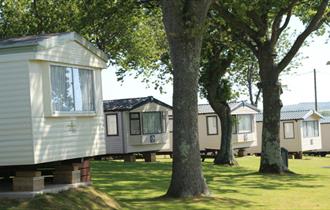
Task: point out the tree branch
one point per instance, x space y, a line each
312 26
236 23
257 97
259 21
276 28
247 42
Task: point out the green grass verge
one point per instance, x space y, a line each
139 185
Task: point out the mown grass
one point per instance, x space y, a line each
86 198
139 185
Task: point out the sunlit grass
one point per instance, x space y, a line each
140 185
86 198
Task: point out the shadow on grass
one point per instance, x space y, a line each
80 199
239 177
195 203
140 185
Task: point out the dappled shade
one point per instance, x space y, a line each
140 185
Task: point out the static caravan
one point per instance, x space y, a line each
325 133
299 132
136 125
50 103
244 129
244 126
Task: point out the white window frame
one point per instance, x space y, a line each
285 134
315 122
161 121
107 124
238 131
49 110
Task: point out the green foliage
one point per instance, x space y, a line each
26 17
131 34
218 51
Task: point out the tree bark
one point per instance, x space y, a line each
183 22
271 160
225 155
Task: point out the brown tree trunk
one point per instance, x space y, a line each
225 155
271 160
183 22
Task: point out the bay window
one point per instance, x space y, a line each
152 122
311 128
72 89
242 123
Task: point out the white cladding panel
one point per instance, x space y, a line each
73 53
16 145
325 136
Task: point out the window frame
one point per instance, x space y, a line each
293 132
130 123
216 124
170 118
106 122
315 122
234 124
160 121
237 124
54 113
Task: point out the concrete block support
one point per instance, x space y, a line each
149 157
28 181
129 158
241 153
67 174
298 155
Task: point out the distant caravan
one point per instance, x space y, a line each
136 126
300 132
244 133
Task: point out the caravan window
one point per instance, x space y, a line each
112 124
72 89
134 122
288 128
212 125
152 122
170 123
311 128
242 123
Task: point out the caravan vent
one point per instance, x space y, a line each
152 139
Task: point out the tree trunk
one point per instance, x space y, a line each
271 160
183 22
225 155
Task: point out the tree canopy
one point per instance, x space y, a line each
259 25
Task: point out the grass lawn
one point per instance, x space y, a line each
86 198
139 185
